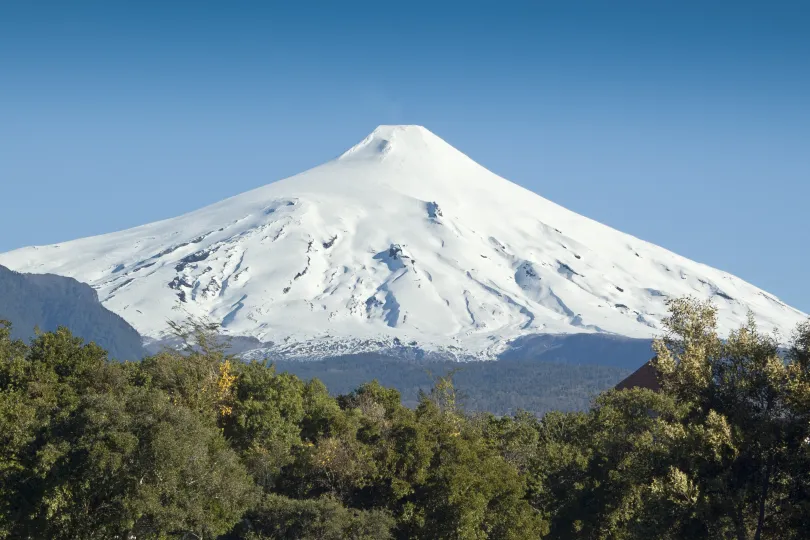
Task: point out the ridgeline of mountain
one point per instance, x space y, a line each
48 301
401 243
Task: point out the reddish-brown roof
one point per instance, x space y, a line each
643 377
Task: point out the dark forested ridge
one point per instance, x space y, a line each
535 373
191 444
47 301
500 386
602 349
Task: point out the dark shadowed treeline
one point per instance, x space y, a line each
501 387
193 444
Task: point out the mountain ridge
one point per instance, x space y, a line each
402 240
47 301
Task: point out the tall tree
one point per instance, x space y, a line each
746 419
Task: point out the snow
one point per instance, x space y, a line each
402 239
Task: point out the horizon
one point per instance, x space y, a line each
119 116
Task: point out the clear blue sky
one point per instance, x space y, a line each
684 123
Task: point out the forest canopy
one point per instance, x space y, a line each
193 443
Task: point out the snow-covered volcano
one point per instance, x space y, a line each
401 240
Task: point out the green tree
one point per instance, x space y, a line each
745 422
265 421
92 453
191 443
325 518
470 491
721 452
591 473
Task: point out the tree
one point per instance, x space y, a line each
590 474
721 452
746 420
191 443
264 424
92 453
470 491
325 518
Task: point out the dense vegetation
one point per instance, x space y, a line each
191 444
47 301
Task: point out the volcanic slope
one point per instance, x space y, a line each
401 241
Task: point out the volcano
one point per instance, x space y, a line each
402 241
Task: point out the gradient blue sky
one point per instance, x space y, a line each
684 123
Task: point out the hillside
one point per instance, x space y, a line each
47 301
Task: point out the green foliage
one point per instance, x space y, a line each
89 451
192 443
745 428
278 517
265 421
721 452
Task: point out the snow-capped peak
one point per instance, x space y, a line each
402 141
401 240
